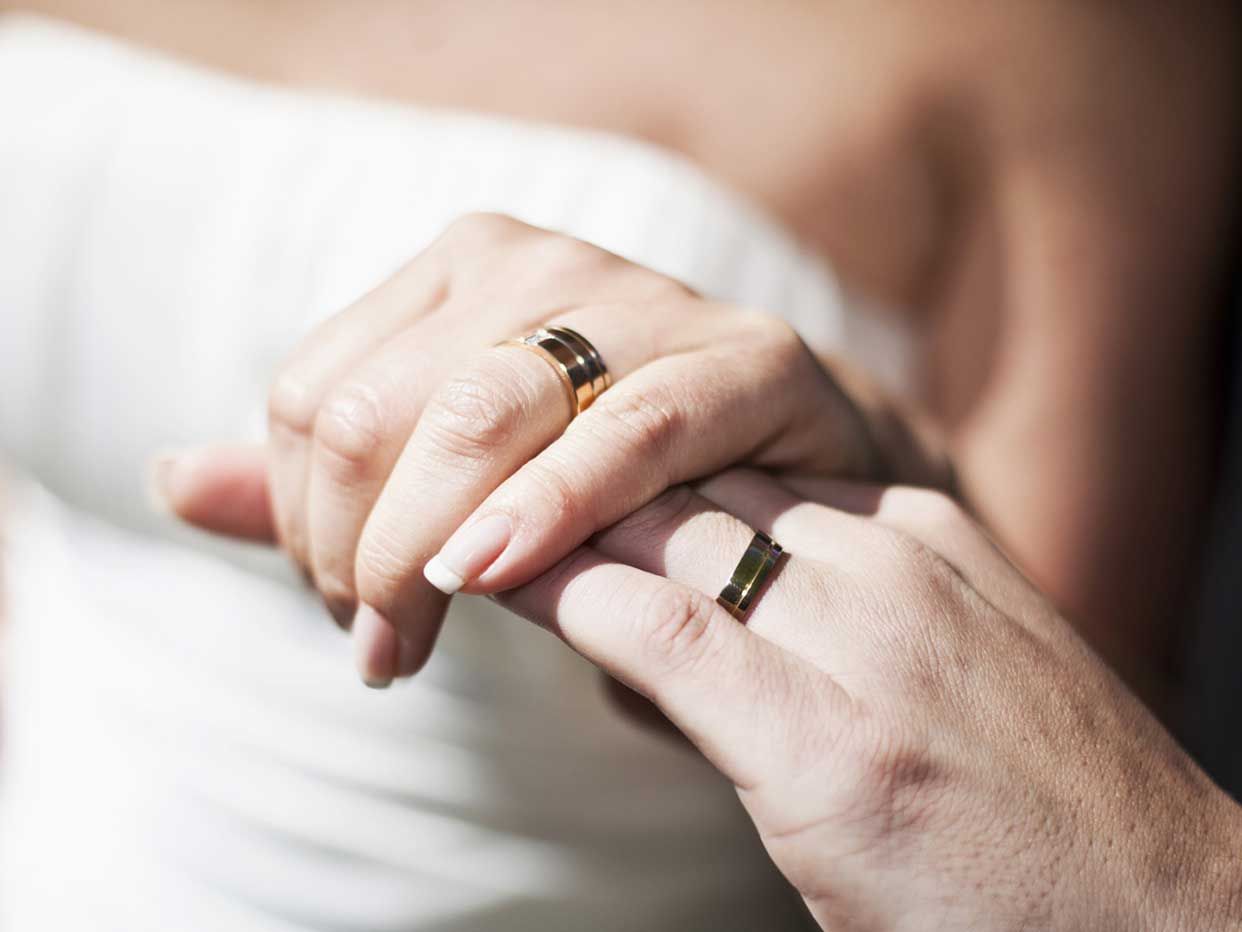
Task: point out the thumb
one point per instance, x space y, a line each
222 489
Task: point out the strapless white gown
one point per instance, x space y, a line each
185 743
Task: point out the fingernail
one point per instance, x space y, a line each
472 549
341 610
410 658
375 648
159 482
164 471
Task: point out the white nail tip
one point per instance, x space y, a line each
442 577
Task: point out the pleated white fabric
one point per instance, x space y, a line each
186 745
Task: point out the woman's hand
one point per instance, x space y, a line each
400 431
921 741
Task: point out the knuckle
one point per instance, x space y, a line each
657 288
911 559
780 347
548 494
292 402
471 414
924 617
678 628
935 510
558 253
873 561
381 568
480 229
775 334
350 426
644 423
920 579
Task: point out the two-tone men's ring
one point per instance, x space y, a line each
749 576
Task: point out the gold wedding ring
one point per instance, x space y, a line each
752 570
578 364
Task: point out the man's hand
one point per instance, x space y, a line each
921 741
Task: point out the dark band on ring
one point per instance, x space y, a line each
748 577
588 354
578 364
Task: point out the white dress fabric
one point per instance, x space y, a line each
185 743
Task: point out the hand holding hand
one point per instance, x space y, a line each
401 433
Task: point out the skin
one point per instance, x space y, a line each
1007 174
1065 344
403 403
921 741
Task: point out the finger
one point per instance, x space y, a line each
222 489
677 418
691 540
506 276
322 359
417 495
360 430
483 423
749 706
367 419
803 511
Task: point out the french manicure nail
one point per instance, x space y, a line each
472 549
375 647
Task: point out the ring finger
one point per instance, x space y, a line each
691 540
